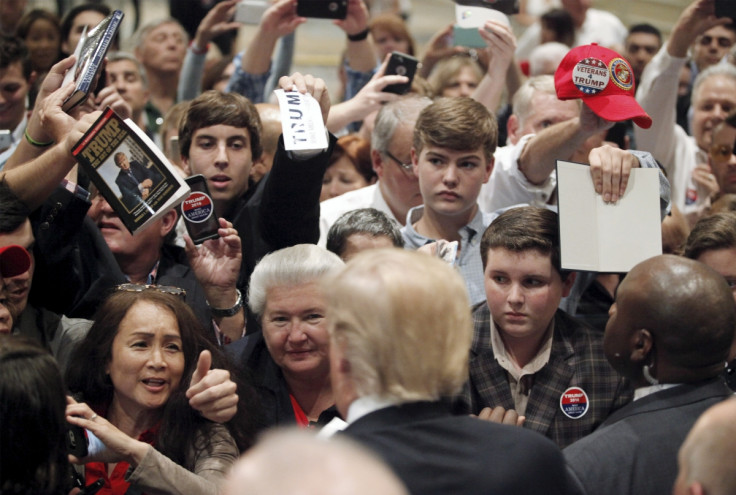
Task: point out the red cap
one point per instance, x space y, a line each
603 80
14 260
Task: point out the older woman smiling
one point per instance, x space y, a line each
289 358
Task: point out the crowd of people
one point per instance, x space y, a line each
398 294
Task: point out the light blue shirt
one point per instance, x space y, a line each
468 262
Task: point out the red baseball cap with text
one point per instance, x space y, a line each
603 79
14 260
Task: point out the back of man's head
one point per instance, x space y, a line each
706 457
216 108
402 322
368 222
291 462
688 308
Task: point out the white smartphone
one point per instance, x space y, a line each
250 11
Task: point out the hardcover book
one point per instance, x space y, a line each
129 170
90 56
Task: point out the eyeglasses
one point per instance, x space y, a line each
406 167
166 289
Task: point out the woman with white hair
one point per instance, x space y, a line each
289 358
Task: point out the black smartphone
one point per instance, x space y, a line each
322 9
401 64
726 8
76 441
508 7
198 211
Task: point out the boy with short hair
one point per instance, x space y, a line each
452 156
528 358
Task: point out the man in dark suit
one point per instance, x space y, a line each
670 332
399 337
134 180
530 362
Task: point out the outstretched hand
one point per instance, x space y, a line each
216 22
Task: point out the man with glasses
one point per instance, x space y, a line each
684 157
397 189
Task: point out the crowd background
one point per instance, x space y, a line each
319 44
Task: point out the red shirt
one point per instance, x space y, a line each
114 484
299 414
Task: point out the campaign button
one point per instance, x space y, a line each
197 207
574 402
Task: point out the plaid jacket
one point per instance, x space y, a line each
576 360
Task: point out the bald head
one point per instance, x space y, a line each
689 307
293 462
686 312
706 457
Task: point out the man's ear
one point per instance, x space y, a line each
377 161
643 346
568 283
489 169
512 129
168 221
414 160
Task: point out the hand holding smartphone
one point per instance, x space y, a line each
198 211
401 64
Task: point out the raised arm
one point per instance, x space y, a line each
370 98
278 20
35 180
501 45
359 52
289 211
252 68
216 22
559 141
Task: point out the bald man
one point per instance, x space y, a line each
293 462
706 457
669 332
